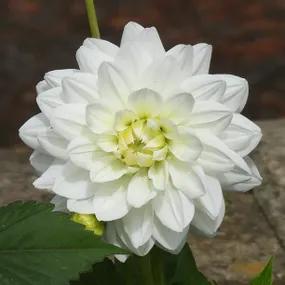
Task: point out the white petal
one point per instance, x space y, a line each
53 144
112 86
73 182
49 100
59 204
205 87
185 147
209 116
80 88
158 173
40 161
173 209
69 120
138 225
110 200
168 239
216 156
239 180
236 93
202 58
212 201
242 135
190 180
42 86
54 78
84 206
145 102
107 142
107 168
47 179
32 128
93 53
184 57
99 119
131 32
183 102
140 189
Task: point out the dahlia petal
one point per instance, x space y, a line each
110 200
59 204
99 119
145 102
138 225
242 135
107 142
47 179
49 100
73 182
170 240
184 57
54 78
41 161
239 180
190 180
42 86
101 45
32 128
173 209
131 32
185 147
84 206
112 87
107 168
205 87
80 88
183 102
158 173
209 116
236 93
201 58
69 120
140 190
53 144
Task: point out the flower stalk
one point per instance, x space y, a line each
92 18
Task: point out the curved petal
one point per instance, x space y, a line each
59 204
69 120
32 128
236 93
210 116
49 100
80 88
140 189
110 200
185 147
138 225
53 144
205 87
190 180
242 135
202 58
240 180
47 179
166 238
84 206
54 78
173 209
101 45
41 161
73 182
158 173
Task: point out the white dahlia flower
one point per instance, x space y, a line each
143 138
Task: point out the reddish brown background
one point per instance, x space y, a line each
37 36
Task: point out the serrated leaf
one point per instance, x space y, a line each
38 246
265 277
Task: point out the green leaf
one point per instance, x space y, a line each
157 268
38 246
265 277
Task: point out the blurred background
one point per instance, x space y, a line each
37 36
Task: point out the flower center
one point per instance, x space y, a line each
142 143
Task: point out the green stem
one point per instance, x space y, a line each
92 18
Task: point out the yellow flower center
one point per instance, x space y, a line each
142 142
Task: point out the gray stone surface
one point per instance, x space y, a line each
252 231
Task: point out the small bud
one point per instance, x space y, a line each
90 222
